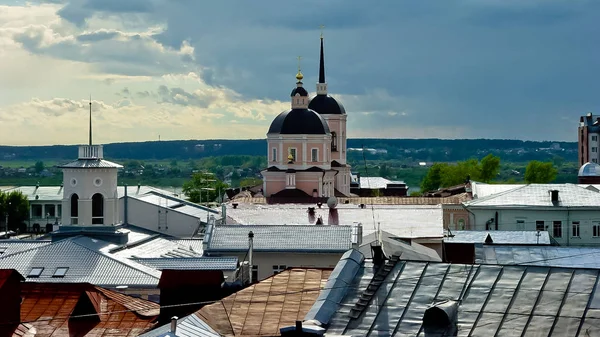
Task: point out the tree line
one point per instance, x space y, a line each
14 207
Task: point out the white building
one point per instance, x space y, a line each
570 213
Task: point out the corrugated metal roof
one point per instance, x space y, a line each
193 244
55 193
480 300
189 326
538 195
482 190
91 163
8 247
282 238
376 182
414 221
500 237
393 246
155 248
177 204
547 256
191 263
85 265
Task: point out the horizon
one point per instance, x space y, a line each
453 70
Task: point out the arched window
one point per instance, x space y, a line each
74 209
333 141
97 209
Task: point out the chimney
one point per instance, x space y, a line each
554 194
125 208
250 253
174 324
235 205
224 213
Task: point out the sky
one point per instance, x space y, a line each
188 69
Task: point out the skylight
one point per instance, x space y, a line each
2 250
35 272
60 272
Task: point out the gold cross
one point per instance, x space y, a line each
322 27
299 58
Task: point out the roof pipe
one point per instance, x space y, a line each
174 324
125 208
250 253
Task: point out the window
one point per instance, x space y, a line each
520 225
333 141
594 149
60 272
594 138
557 229
74 209
596 229
539 225
575 226
254 273
97 209
35 272
36 211
314 155
274 156
292 152
279 268
50 210
58 210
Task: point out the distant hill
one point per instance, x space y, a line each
405 149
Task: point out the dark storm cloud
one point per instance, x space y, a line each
495 68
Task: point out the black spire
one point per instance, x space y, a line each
322 64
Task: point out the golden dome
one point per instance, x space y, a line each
299 76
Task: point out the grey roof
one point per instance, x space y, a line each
406 221
547 256
91 163
481 190
11 246
177 205
589 170
394 246
482 300
193 244
299 238
376 182
191 263
188 326
500 237
85 265
55 193
155 248
538 195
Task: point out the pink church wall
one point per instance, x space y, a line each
334 126
308 186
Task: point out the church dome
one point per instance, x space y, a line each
299 122
326 105
300 91
589 170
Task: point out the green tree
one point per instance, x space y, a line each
538 172
16 205
203 187
39 166
490 167
433 179
250 182
384 171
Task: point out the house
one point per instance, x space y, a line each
76 309
567 211
278 247
376 186
392 245
412 298
261 309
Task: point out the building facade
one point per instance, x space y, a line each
589 139
307 145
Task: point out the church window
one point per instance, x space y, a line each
314 155
333 141
74 209
274 154
97 209
292 152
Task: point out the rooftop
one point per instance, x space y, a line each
300 238
416 221
500 237
55 193
394 246
546 256
374 182
538 195
191 263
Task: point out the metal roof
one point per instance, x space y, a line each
188 326
55 193
299 238
11 246
482 190
85 265
413 221
375 182
393 245
538 195
547 256
190 263
477 300
176 204
91 163
155 248
500 237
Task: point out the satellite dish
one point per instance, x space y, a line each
332 202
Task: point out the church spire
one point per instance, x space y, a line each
322 85
90 120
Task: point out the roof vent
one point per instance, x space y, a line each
235 205
441 318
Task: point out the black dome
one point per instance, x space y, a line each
299 90
299 121
326 105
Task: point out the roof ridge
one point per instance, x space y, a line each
495 195
32 248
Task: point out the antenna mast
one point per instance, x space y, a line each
90 141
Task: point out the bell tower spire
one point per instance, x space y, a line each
90 141
322 85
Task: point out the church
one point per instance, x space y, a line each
307 145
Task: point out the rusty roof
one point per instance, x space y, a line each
265 307
391 200
48 309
